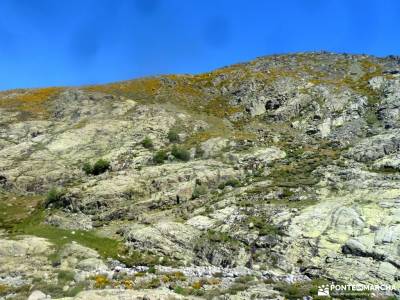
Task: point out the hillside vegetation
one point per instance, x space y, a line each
261 180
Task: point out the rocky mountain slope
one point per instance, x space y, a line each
261 180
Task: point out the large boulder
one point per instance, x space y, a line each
164 238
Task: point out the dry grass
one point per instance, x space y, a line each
15 208
135 88
32 103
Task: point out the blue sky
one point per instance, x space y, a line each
74 42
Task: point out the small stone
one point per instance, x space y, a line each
329 260
37 295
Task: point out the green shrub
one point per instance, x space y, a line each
98 168
187 291
236 288
152 270
181 290
73 291
244 279
65 276
151 284
180 153
218 236
54 197
173 135
87 168
160 156
233 182
264 227
209 210
147 143
300 290
199 152
199 190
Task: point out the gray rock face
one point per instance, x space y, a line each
166 238
70 221
213 146
92 264
377 147
24 259
388 110
347 220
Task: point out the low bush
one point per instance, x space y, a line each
65 276
87 168
264 227
197 285
101 281
218 237
180 153
160 156
302 290
236 288
199 190
98 168
188 291
173 135
147 143
175 276
244 279
151 284
54 197
233 182
199 152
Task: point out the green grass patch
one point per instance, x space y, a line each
59 237
15 208
106 247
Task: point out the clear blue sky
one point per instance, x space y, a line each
74 42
